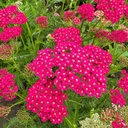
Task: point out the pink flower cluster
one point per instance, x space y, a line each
68 15
5 51
86 11
69 34
82 69
47 102
113 9
11 16
8 88
114 117
123 82
71 17
119 36
42 21
4 110
117 98
102 34
119 123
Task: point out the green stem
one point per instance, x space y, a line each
17 103
69 123
6 118
23 41
19 96
16 66
81 25
75 115
75 102
30 34
62 8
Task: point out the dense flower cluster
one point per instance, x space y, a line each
69 34
11 16
113 9
47 102
4 110
42 21
76 20
118 123
102 34
98 14
10 33
117 98
119 36
5 51
69 16
93 122
114 117
81 69
123 82
8 88
86 11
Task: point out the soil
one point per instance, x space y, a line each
11 114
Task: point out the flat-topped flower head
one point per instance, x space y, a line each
113 9
86 11
42 21
81 69
5 51
123 81
8 88
11 20
47 101
70 34
117 98
119 36
68 15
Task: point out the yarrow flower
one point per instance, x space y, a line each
19 18
42 21
8 88
70 34
107 114
10 33
118 123
117 98
119 36
123 82
82 69
86 11
47 101
5 51
11 16
114 118
113 9
76 20
98 14
4 110
102 34
70 17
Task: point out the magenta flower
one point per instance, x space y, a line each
81 69
8 88
69 34
117 98
47 102
86 11
113 9
42 21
